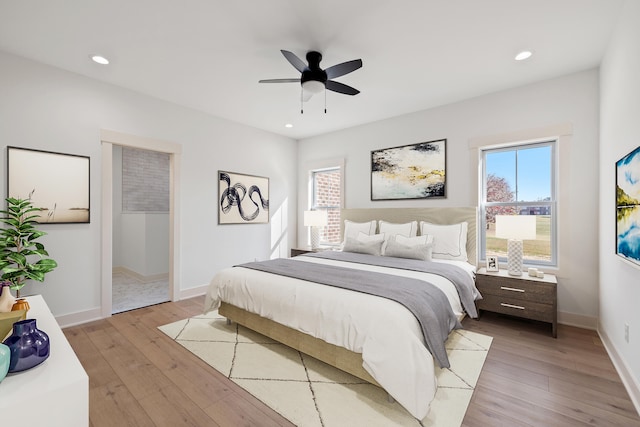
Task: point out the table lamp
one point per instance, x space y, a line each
315 219
515 228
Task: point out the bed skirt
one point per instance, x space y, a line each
330 354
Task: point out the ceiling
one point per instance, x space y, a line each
210 54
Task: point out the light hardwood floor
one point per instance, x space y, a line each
139 377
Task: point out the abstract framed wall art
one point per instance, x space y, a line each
628 207
242 199
57 183
415 171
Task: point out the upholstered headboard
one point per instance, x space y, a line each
433 215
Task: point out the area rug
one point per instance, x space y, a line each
311 393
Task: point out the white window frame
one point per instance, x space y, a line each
553 205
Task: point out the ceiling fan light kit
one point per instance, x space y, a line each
313 86
314 79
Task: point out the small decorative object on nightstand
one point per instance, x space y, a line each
521 296
492 263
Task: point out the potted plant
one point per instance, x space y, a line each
21 257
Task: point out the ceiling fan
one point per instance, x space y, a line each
314 79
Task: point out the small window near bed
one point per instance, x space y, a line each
520 180
327 196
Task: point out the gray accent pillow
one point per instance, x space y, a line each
363 244
413 248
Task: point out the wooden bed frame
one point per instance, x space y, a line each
333 355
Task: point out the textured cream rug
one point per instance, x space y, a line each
311 393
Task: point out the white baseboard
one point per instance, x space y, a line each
193 292
73 319
629 381
578 320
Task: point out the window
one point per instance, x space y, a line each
326 195
520 180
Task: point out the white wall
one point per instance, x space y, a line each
569 102
156 239
620 134
45 108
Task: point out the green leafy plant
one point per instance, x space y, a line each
18 246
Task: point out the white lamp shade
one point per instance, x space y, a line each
315 218
313 86
516 227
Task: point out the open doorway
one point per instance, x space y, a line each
140 275
111 143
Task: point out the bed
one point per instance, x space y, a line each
371 337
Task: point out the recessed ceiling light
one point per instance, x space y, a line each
288 125
99 59
525 54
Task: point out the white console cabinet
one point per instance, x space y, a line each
54 393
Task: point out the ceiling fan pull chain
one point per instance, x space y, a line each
325 101
301 100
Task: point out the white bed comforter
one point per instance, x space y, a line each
386 334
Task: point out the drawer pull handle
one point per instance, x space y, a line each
519 307
505 288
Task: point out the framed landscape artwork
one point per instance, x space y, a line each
242 199
628 207
415 171
57 183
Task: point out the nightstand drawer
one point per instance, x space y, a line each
517 307
522 289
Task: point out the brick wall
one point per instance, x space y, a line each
327 196
145 181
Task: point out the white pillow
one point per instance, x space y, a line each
409 229
409 247
364 244
351 229
449 241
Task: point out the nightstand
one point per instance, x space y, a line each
521 296
307 249
300 251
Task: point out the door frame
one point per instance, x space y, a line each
108 139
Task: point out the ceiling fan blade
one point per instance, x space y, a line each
342 69
279 81
294 60
341 88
